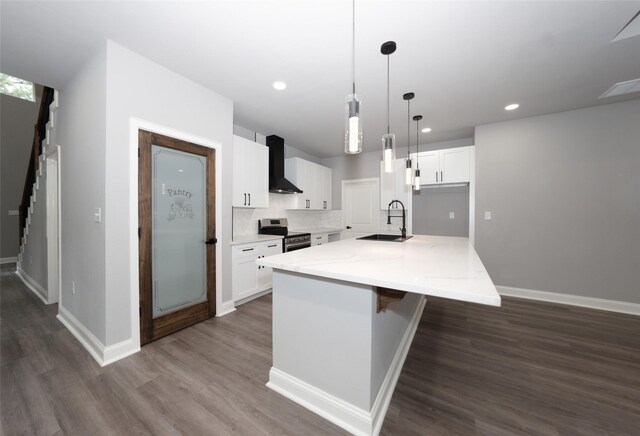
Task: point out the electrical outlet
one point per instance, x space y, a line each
487 215
452 215
73 288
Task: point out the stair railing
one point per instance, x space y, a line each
39 134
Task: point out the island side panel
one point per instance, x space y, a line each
392 333
322 334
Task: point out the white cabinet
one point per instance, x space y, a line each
451 165
325 188
314 180
250 173
319 239
248 278
393 187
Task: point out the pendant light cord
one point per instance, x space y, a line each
417 135
353 47
388 127
409 129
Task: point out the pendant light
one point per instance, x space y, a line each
408 172
353 119
389 139
416 179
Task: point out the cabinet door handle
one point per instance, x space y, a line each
441 177
249 194
436 176
245 199
348 227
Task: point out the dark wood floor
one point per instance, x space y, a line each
525 368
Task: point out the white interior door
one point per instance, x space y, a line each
360 206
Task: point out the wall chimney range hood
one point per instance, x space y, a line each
277 183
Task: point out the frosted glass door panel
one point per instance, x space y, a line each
179 229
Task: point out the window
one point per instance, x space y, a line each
10 85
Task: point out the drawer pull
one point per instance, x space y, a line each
271 246
247 249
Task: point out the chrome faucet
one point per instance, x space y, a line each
403 229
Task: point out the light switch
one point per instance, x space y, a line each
97 215
487 215
452 215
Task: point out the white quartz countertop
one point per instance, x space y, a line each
320 230
439 266
248 239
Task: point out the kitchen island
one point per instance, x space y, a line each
344 316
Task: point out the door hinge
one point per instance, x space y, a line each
140 307
139 231
138 151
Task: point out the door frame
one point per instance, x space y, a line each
53 220
154 328
135 125
376 212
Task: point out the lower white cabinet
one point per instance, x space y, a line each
319 239
248 278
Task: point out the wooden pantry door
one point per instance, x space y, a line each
176 215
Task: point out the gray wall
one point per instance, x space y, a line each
431 207
17 118
564 190
289 151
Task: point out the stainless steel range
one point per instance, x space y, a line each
278 226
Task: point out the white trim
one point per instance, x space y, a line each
82 334
572 300
380 406
103 355
345 415
30 283
4 260
53 223
135 125
227 308
353 419
472 194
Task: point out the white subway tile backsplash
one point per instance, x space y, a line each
245 221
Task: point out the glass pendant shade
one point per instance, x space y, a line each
408 173
416 181
389 155
353 125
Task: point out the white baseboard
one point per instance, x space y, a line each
253 297
103 355
345 415
381 405
353 419
30 283
4 260
226 308
572 300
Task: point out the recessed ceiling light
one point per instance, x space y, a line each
426 130
511 107
279 85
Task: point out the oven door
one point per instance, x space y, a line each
298 246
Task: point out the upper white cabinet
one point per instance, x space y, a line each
250 173
393 187
451 165
314 180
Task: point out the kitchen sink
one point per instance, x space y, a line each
380 237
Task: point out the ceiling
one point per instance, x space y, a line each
464 60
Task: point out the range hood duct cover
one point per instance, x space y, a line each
277 183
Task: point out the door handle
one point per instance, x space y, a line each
249 194
348 227
441 177
245 199
211 241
